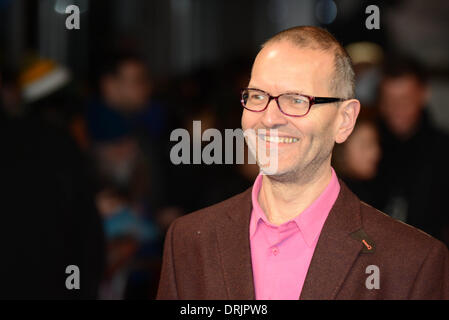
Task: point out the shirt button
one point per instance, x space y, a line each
275 251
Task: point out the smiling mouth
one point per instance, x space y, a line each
276 139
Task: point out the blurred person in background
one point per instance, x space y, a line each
356 160
126 129
126 88
124 104
125 231
47 92
131 233
413 170
49 217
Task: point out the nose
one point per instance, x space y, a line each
272 116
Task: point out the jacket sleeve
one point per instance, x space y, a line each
432 281
167 284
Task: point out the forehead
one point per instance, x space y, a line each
281 67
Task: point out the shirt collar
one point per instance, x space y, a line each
310 221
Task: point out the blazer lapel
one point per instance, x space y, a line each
336 250
234 248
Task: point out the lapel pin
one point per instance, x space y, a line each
368 243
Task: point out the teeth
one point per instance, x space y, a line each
279 139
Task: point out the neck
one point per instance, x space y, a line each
282 202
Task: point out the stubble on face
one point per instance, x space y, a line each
281 68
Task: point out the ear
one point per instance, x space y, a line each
347 116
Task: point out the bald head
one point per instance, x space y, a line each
341 82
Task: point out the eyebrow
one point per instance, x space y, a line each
284 92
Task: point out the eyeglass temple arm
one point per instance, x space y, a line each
327 100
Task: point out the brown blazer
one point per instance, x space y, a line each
207 255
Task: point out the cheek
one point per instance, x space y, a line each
249 119
320 134
314 144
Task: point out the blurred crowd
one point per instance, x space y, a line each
87 176
86 171
396 159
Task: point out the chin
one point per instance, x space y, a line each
281 173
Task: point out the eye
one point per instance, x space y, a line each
298 100
257 96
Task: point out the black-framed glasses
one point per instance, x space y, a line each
290 104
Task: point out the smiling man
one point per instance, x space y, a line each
299 232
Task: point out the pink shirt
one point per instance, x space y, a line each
281 255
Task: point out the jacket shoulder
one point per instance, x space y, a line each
205 219
394 234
